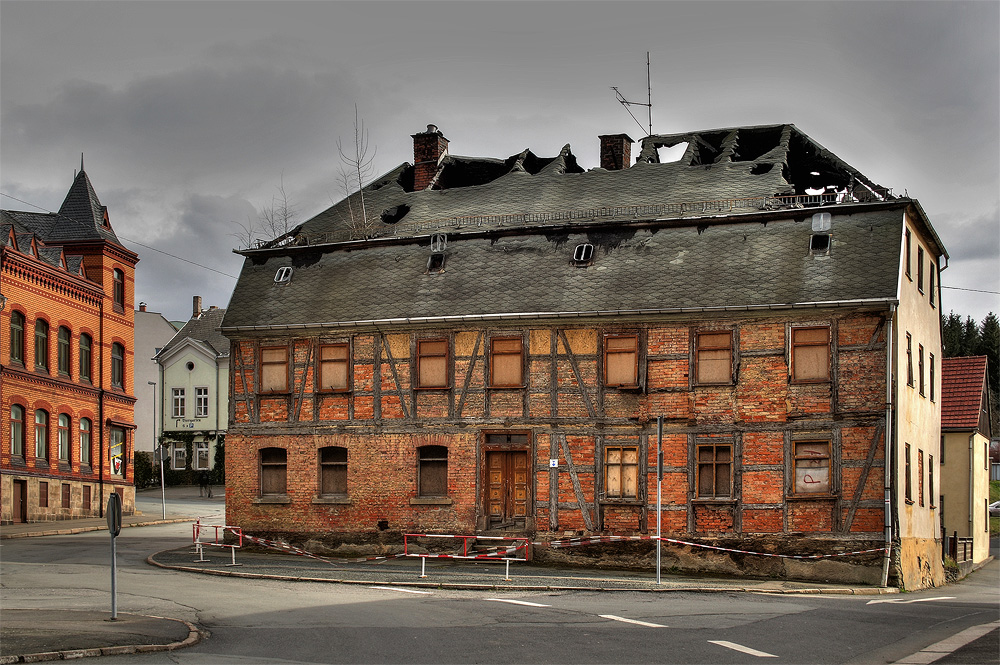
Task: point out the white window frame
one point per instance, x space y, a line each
201 402
178 452
199 448
177 401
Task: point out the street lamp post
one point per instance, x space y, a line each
158 451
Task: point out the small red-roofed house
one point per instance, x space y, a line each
965 459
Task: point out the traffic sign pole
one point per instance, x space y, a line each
114 515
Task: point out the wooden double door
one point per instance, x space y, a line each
507 490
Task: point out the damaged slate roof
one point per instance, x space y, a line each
727 226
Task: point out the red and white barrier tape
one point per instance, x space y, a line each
573 542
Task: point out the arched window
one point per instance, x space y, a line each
42 434
17 430
273 471
63 429
41 345
17 337
119 289
64 337
85 356
85 435
117 366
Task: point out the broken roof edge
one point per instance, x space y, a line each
756 216
874 303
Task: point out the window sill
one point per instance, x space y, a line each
713 385
627 388
708 500
65 467
521 387
334 500
440 388
338 391
430 501
274 498
621 502
812 497
17 460
809 382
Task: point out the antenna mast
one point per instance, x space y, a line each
649 101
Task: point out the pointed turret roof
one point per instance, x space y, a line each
81 214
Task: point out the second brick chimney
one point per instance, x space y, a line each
428 149
616 151
196 307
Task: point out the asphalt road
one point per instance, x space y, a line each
277 621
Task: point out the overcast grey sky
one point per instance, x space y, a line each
191 114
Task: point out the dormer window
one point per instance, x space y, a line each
439 242
283 276
583 254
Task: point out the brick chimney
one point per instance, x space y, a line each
142 307
196 307
428 149
616 151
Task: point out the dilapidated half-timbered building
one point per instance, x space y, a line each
483 346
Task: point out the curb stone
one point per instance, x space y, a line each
194 636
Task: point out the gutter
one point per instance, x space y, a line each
891 303
889 446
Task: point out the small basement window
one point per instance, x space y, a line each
819 243
283 276
583 254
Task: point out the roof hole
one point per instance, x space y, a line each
760 169
672 153
394 214
435 263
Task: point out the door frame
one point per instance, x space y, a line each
485 446
19 501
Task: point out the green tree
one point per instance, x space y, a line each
952 329
970 337
989 346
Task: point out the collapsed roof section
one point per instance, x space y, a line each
805 165
721 172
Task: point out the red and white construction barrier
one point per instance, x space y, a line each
574 542
497 553
199 530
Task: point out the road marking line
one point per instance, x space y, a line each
740 647
900 601
635 621
517 602
396 588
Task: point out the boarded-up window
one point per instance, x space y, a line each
715 464
432 363
43 494
334 362
273 470
86 497
506 366
333 470
65 495
621 362
433 471
621 472
810 354
274 369
714 358
812 467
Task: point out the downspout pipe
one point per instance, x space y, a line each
889 446
100 403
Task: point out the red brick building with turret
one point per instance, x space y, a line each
66 353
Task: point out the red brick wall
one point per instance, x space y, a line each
564 400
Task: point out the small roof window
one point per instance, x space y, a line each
283 276
583 254
435 263
439 242
819 243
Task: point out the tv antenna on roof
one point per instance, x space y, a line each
649 101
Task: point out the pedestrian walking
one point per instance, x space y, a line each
204 489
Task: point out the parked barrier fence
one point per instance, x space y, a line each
216 530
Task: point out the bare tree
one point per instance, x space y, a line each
273 221
354 175
279 218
